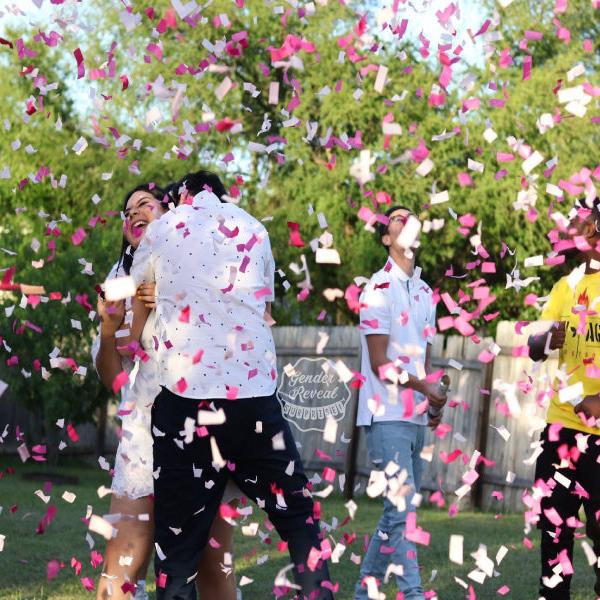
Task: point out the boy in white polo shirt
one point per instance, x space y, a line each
397 325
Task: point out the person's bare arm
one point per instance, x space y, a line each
377 344
126 344
537 343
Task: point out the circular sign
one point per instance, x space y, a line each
309 394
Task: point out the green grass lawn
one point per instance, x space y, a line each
24 559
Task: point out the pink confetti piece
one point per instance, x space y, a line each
161 580
78 237
73 435
184 315
258 294
46 519
295 237
80 64
314 556
182 385
229 233
52 570
527 64
119 381
560 6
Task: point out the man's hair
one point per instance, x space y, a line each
171 193
594 207
203 180
382 228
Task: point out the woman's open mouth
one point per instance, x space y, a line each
138 226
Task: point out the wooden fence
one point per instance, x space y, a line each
315 365
477 416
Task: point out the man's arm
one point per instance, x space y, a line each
377 345
538 344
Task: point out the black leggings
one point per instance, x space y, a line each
557 540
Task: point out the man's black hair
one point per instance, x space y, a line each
382 228
126 257
171 193
201 180
592 205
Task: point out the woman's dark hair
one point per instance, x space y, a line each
126 257
200 180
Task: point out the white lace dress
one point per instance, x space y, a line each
133 463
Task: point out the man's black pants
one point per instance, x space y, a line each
558 540
187 499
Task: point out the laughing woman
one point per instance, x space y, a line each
128 554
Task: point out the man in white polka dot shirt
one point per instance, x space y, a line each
217 415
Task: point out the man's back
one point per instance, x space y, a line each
214 273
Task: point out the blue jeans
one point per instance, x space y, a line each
402 443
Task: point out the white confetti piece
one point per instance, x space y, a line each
274 92
532 162
409 232
330 432
42 496
327 256
184 9
68 497
391 128
534 261
576 71
572 394
80 145
570 94
439 197
102 527
455 553
223 88
380 80
119 288
211 417
278 442
562 479
425 167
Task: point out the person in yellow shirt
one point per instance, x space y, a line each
567 474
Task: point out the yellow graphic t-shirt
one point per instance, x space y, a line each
581 350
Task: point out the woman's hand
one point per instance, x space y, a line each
146 293
111 316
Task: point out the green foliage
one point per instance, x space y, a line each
301 175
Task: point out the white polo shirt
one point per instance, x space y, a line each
214 273
402 307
